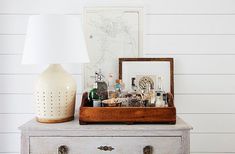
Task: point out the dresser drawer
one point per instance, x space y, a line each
103 145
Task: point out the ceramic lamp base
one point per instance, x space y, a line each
42 120
55 95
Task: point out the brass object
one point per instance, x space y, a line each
105 148
148 150
63 149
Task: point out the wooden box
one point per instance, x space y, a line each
128 115
131 115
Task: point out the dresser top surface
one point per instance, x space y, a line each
74 125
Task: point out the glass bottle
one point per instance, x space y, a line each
165 102
160 88
159 101
94 99
102 87
133 85
118 87
152 96
149 95
110 85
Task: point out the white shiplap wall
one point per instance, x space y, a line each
199 34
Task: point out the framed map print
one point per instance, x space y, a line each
111 33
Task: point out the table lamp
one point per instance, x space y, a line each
54 40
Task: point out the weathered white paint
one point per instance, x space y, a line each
173 139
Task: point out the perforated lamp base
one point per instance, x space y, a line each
55 95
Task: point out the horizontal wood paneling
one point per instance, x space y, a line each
8 153
11 44
13 24
201 64
204 84
184 84
9 125
205 103
42 6
24 83
62 6
152 6
154 24
12 103
11 64
190 6
10 143
184 64
210 123
189 44
213 143
186 24
154 44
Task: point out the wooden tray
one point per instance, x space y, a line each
132 115
127 115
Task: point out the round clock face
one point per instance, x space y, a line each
145 81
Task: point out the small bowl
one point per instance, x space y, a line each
111 104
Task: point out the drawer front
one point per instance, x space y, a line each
103 145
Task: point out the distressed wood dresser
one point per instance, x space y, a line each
72 138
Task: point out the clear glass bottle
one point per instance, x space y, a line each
152 97
149 95
159 101
160 88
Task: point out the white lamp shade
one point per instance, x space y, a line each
54 39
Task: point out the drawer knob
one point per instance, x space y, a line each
148 150
63 149
105 148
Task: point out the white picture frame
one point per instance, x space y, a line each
111 33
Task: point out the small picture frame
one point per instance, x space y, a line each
147 70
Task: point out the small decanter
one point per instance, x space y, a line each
102 87
159 101
160 88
